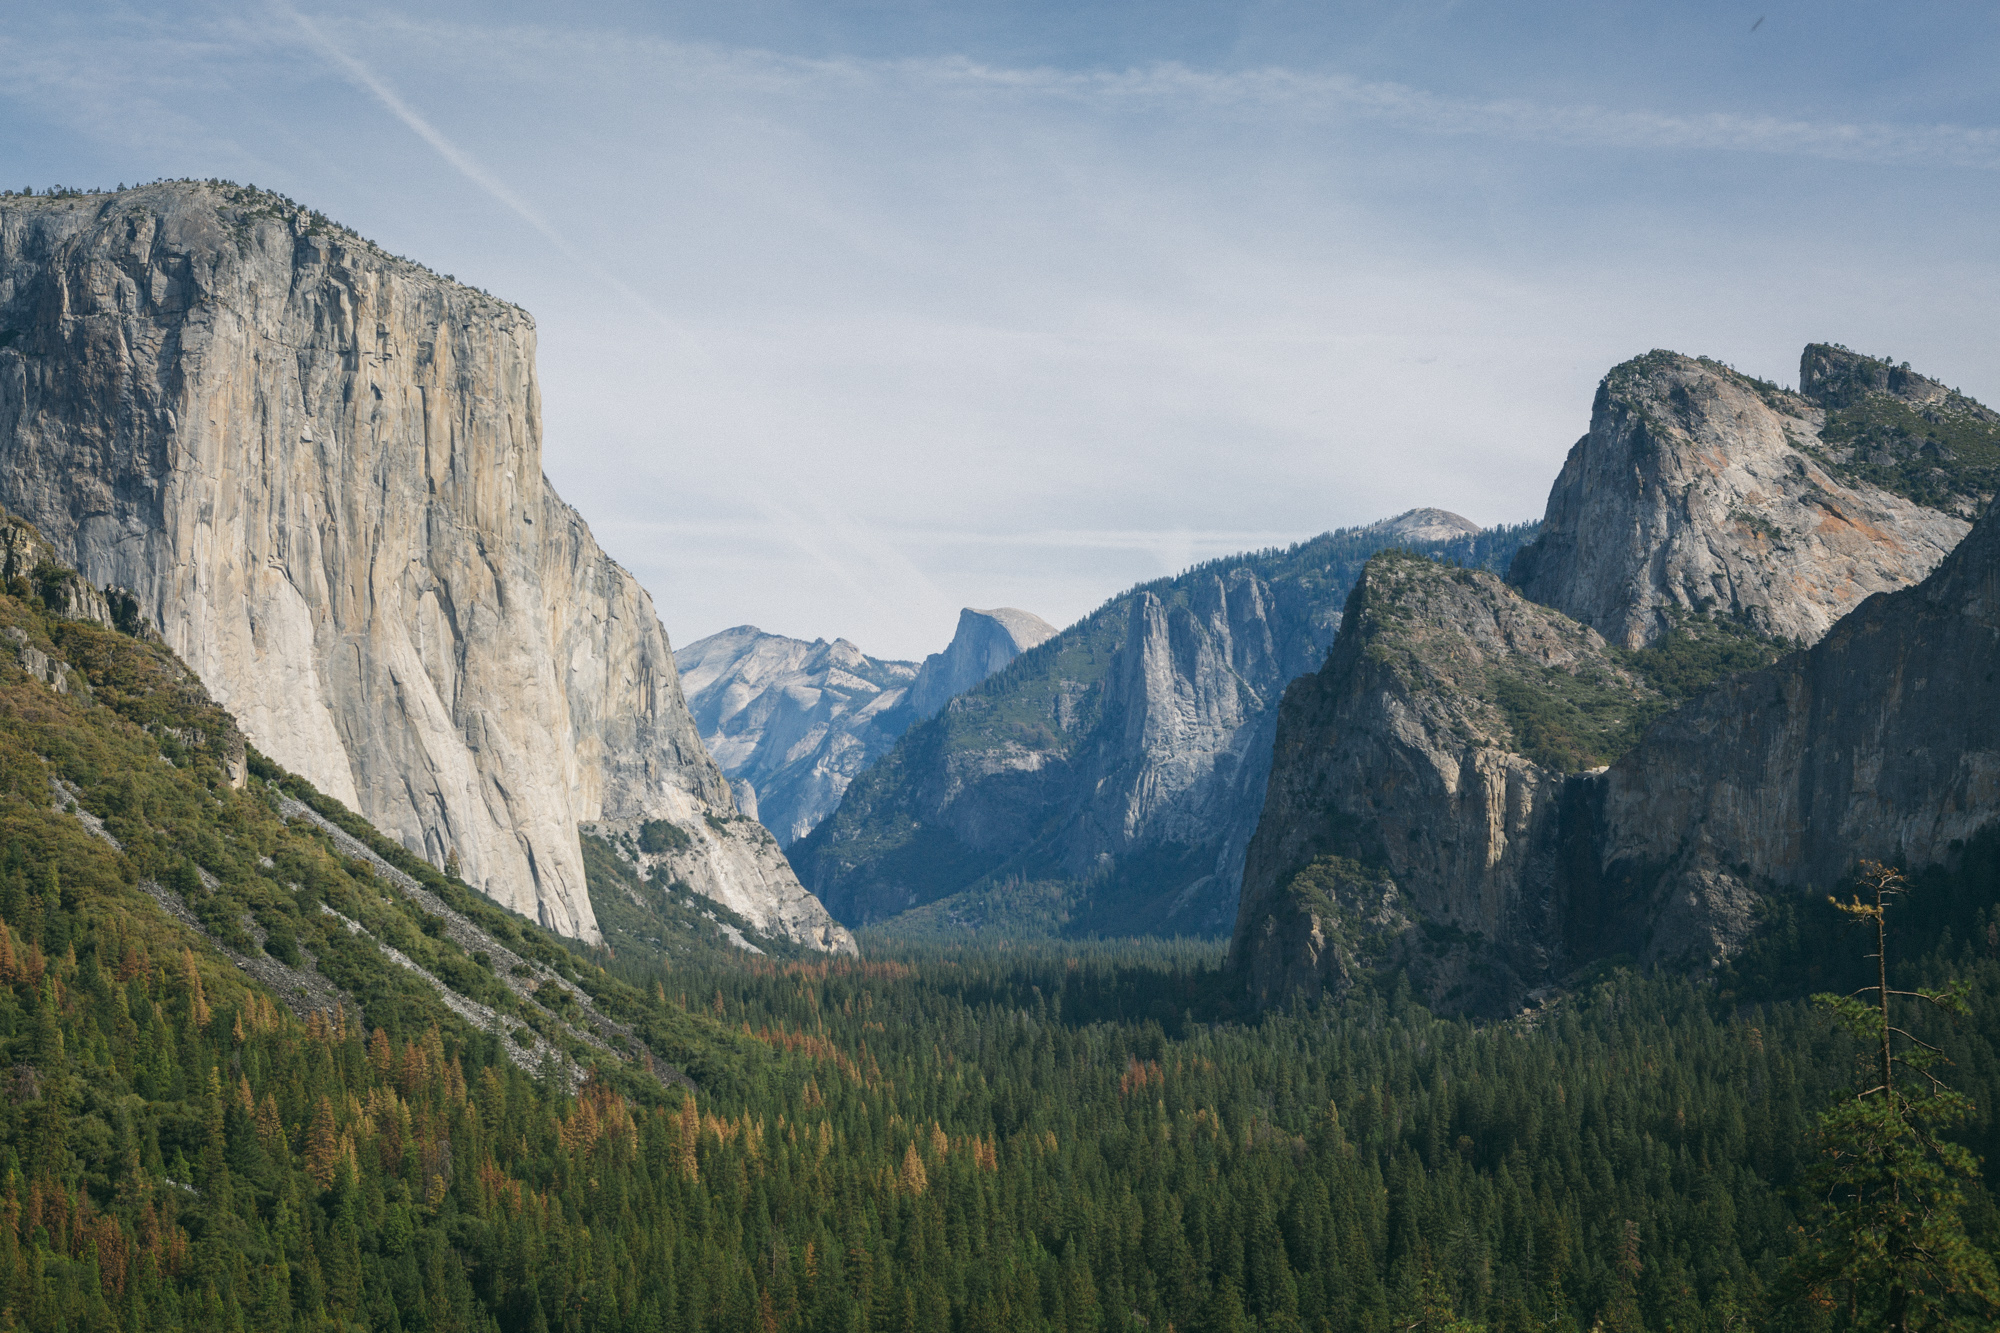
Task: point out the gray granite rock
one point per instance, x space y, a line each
317 470
1405 825
1114 773
1881 741
792 722
1399 765
985 642
1700 488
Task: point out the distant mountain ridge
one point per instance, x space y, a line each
1109 779
790 723
1440 806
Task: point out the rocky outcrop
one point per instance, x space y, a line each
735 862
316 469
1118 768
1425 525
1889 427
985 642
1400 794
1698 488
1480 791
792 722
1882 741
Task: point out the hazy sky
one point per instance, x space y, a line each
852 314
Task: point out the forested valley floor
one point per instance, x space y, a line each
1069 1136
1004 1140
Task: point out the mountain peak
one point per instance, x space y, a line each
1427 525
985 642
1835 377
1695 482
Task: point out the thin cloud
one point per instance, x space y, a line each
1286 92
465 164
1296 94
804 535
1317 96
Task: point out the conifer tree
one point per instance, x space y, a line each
1886 1247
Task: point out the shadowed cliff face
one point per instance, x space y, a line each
1882 741
1400 798
1698 488
1108 780
318 470
1438 798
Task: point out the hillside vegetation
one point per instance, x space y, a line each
989 818
1089 1138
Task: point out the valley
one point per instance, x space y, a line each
1415 926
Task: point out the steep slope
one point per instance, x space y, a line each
1881 741
984 642
792 722
1698 488
789 722
127 795
1438 805
1402 794
317 470
1108 780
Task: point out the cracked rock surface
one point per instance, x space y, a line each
317 470
1699 488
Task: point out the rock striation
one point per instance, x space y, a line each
1699 488
1881 741
985 642
1400 796
316 469
792 722
1483 792
1108 780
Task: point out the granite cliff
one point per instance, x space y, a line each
316 469
1881 741
1699 488
1405 822
985 642
791 723
1108 780
1482 791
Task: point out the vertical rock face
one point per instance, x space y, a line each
317 469
1439 801
792 722
1109 779
985 642
1400 797
1881 741
1700 488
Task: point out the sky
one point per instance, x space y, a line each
852 314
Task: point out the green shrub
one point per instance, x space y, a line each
658 837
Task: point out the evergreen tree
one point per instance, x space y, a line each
1887 1246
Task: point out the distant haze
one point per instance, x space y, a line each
851 316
